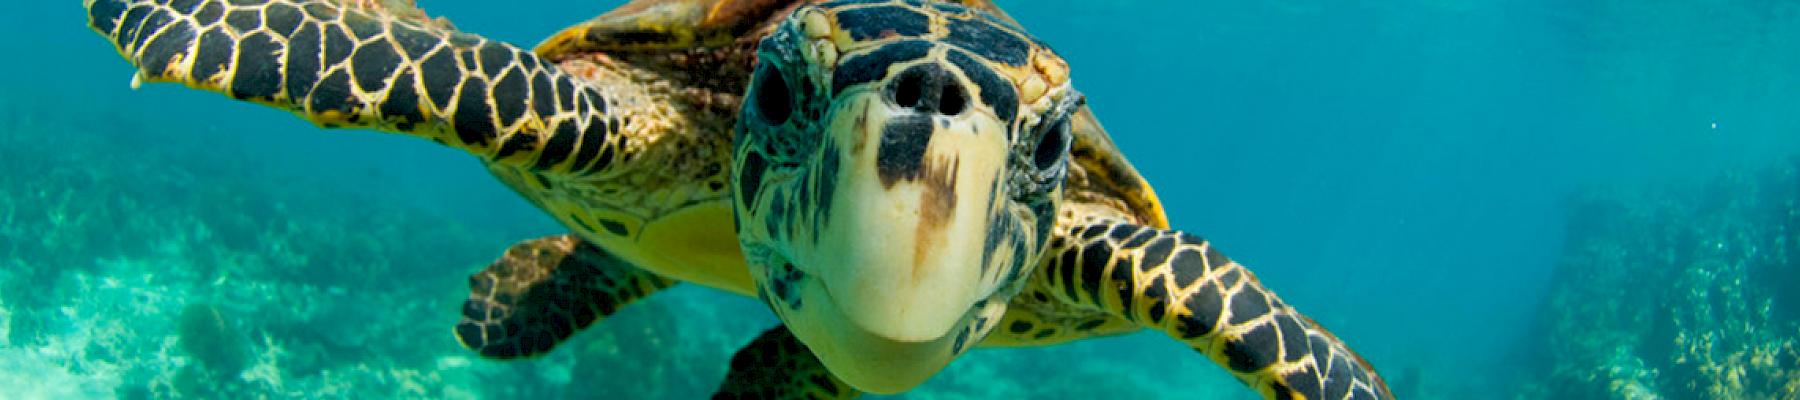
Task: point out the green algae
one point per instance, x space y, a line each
205 335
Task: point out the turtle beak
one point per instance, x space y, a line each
901 251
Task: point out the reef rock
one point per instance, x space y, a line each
1679 293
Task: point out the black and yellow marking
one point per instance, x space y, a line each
339 65
544 290
871 23
1179 284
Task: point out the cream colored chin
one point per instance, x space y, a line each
893 284
869 362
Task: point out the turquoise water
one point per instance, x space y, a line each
1476 195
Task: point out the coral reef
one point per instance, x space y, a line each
286 295
1679 293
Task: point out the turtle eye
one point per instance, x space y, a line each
1052 145
773 101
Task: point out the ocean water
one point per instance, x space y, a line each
1487 199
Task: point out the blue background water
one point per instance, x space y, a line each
1397 170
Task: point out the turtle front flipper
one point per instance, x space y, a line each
1179 284
777 366
342 63
544 290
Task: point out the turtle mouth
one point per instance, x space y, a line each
865 325
885 292
868 358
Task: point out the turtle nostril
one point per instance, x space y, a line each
906 90
951 101
928 89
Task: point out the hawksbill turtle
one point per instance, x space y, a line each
898 180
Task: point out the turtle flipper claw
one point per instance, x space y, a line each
544 290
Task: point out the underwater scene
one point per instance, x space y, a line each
1533 199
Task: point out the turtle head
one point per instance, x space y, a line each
897 170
